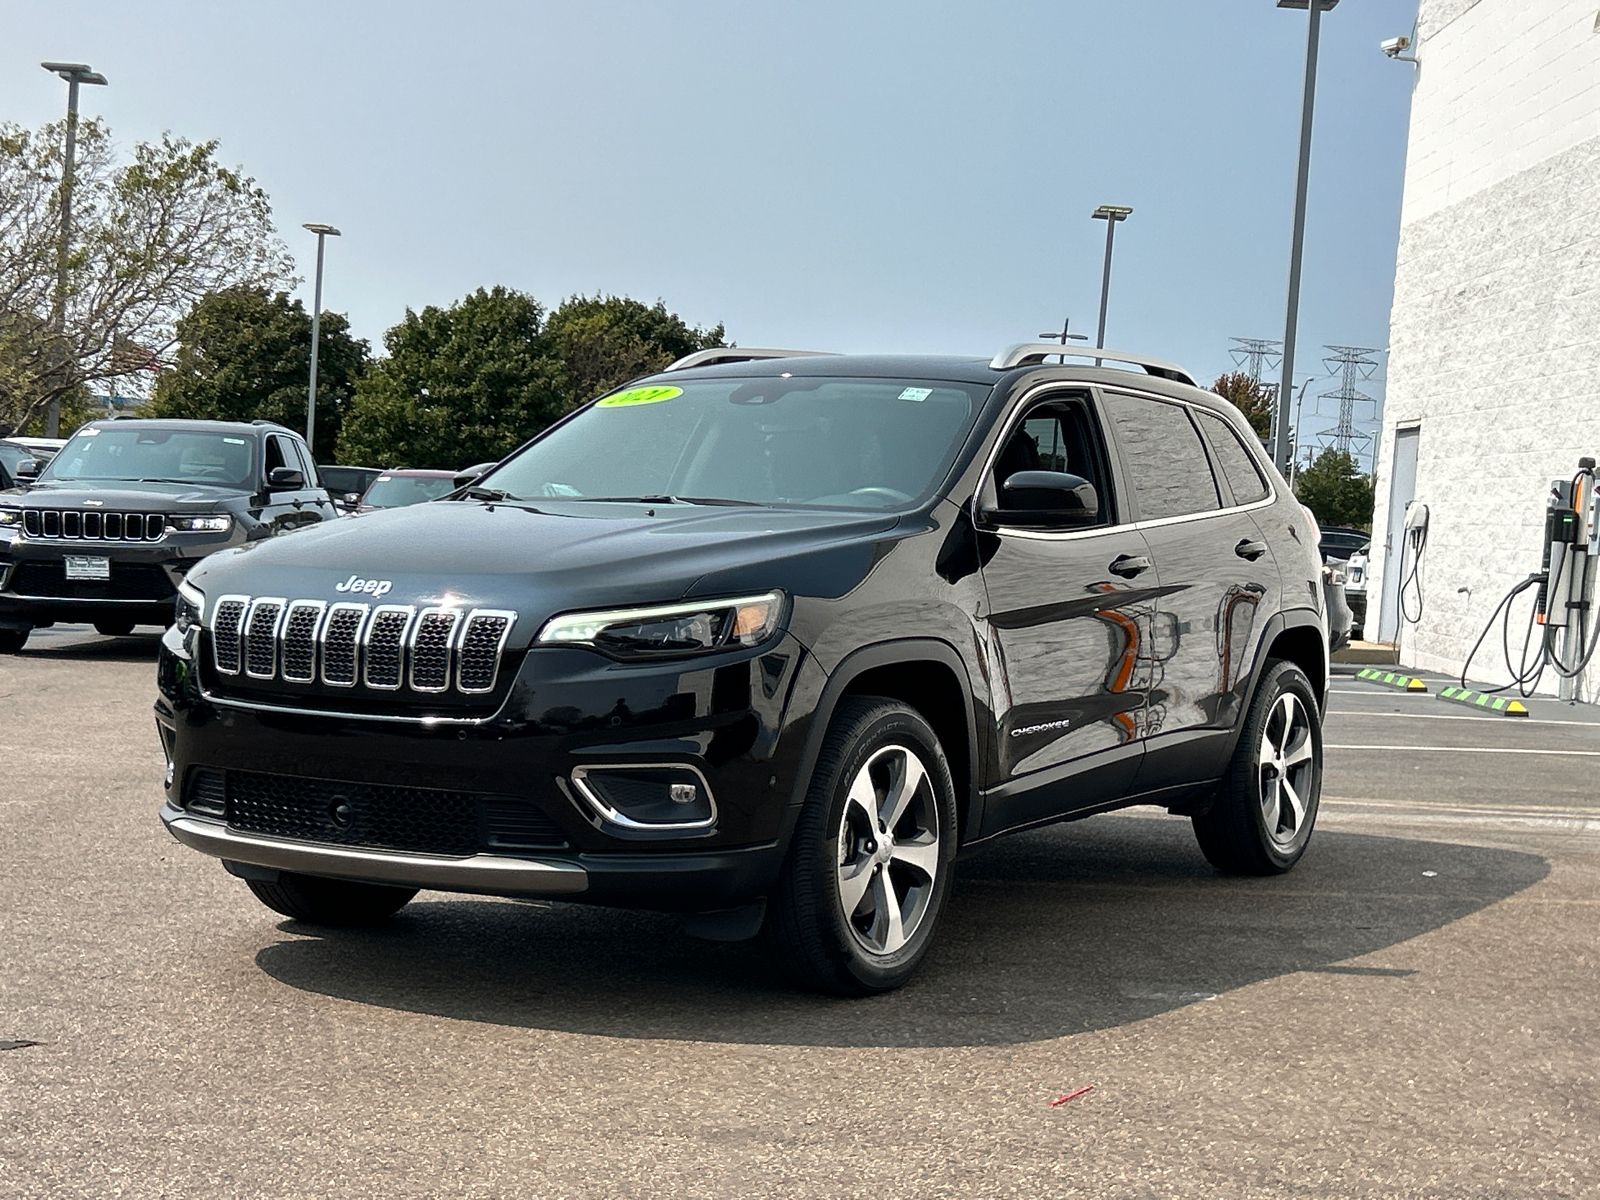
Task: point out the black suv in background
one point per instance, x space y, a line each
767 641
108 529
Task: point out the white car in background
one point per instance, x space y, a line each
1355 589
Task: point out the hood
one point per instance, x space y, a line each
540 562
111 496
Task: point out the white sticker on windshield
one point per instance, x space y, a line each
234 441
917 394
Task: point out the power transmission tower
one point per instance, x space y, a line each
1352 365
1253 354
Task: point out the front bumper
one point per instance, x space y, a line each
726 718
492 873
143 586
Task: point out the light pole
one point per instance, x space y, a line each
74 74
1110 214
1280 452
1064 335
323 232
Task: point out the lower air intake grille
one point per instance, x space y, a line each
417 820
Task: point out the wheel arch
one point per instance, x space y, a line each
929 677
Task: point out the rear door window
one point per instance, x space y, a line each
1165 459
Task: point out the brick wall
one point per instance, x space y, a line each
1495 330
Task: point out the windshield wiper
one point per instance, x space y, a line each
487 493
707 500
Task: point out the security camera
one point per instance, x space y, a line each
1396 46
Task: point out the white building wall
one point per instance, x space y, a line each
1495 330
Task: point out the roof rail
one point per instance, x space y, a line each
733 354
1024 353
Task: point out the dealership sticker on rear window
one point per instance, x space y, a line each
917 394
640 395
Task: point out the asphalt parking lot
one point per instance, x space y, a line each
1411 1013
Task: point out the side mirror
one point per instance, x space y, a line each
473 473
283 479
28 468
1046 499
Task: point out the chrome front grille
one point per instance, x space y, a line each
383 647
70 524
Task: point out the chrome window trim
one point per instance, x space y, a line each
277 626
355 643
321 607
401 645
499 650
1063 535
579 775
238 632
456 627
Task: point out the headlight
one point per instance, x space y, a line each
217 524
10 517
191 606
693 627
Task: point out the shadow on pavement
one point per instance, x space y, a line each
1058 931
93 647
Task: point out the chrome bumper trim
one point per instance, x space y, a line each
491 873
334 715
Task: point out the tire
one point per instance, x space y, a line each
114 628
13 640
1266 805
319 901
898 877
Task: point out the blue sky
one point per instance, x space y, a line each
862 176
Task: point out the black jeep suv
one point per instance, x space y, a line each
108 529
767 642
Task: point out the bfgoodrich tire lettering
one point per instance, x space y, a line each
869 867
1266 806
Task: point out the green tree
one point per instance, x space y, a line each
601 343
1251 397
245 353
471 382
462 384
151 235
1336 490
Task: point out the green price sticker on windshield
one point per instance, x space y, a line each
640 395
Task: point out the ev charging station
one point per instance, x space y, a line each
1566 595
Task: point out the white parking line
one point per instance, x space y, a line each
1469 750
1513 723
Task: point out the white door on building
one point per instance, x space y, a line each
1402 490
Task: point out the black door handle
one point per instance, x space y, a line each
1250 550
1129 565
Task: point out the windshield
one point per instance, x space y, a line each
843 443
396 491
154 455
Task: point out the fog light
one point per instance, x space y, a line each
648 796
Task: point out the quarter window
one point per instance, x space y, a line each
1166 460
1233 459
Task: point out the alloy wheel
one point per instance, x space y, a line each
1287 770
889 849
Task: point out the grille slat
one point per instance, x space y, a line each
482 643
341 639
431 648
386 646
70 523
299 641
346 643
261 637
227 624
